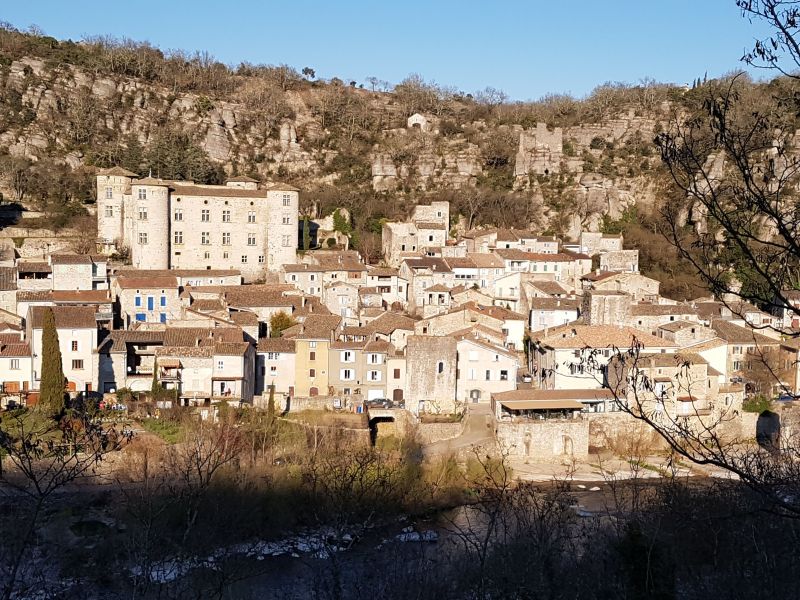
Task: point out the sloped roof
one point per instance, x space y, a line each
389 322
276 345
8 279
734 334
577 335
66 317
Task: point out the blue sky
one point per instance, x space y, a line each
526 48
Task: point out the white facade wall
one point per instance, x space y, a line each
147 226
81 375
110 202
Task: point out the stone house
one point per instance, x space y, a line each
419 121
625 261
34 275
489 266
431 365
747 350
541 425
306 278
428 228
649 317
593 243
188 278
313 338
576 356
8 289
393 328
16 370
483 369
342 298
146 299
388 283
359 368
551 312
639 287
77 338
275 366
79 272
396 375
685 333
180 224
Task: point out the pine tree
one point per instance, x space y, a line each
51 391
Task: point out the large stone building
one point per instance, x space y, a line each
184 225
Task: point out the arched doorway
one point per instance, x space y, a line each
313 391
397 395
72 386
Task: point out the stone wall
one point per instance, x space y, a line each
621 434
620 260
605 308
545 440
430 433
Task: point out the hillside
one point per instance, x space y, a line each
557 165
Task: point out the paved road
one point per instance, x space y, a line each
478 429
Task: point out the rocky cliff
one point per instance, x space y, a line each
336 135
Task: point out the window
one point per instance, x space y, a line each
286 241
163 300
140 317
14 364
312 372
287 200
293 277
142 194
205 238
488 375
142 238
220 364
312 278
226 216
251 239
312 344
162 317
109 211
244 258
397 373
77 364
207 255
348 356
109 192
273 370
287 220
74 345
430 238
205 215
375 359
179 214
374 375
177 238
143 213
226 254
273 355
503 375
226 239
440 367
261 259
312 355
251 216
346 374
137 301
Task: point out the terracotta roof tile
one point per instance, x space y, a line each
66 317
276 345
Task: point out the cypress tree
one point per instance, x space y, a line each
51 390
306 234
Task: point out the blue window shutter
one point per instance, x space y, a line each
163 317
140 316
163 300
138 301
150 303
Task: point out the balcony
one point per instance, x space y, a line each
103 316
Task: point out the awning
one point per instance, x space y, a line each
542 405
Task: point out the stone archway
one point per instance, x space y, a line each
313 392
